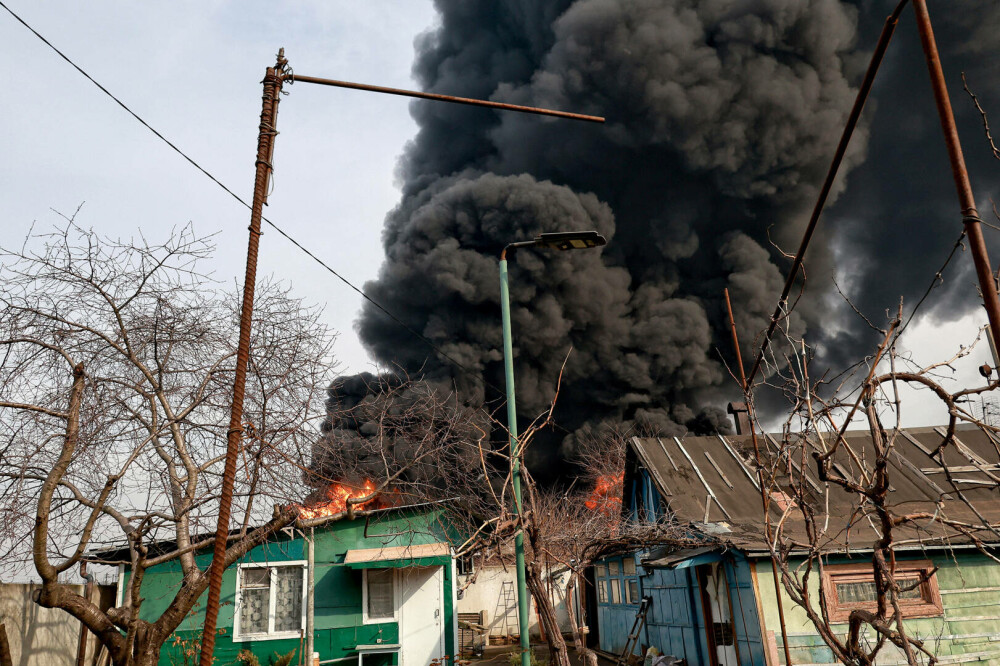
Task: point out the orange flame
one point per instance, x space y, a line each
606 496
337 495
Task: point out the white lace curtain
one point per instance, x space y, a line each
380 595
257 587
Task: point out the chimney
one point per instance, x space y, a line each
741 416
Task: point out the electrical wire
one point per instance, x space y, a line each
274 226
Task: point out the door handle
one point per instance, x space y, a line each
437 612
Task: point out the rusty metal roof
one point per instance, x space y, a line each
711 481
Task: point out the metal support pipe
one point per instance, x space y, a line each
445 98
845 138
310 600
736 340
966 200
765 503
273 78
515 463
88 593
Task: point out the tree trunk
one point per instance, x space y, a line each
571 612
547 616
145 649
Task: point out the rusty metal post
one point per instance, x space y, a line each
970 216
760 481
736 340
273 78
81 650
445 98
845 138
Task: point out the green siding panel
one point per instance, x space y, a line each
968 632
337 591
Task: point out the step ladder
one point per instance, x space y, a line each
633 636
507 602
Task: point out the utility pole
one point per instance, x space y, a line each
274 77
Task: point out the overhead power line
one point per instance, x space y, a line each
235 196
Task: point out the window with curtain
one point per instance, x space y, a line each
852 586
270 601
379 595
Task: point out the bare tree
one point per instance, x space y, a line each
565 528
826 487
115 385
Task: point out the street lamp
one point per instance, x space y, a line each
569 240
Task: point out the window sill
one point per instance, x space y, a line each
910 612
267 637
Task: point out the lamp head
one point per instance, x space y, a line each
570 240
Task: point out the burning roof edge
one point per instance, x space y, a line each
119 554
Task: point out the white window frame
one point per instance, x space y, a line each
465 564
272 600
364 598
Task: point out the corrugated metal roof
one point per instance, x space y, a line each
712 480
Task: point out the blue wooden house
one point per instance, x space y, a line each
715 604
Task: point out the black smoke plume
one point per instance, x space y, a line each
722 118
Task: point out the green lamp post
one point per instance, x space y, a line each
571 240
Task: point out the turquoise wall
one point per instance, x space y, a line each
967 632
337 591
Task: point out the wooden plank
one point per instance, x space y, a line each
718 469
703 482
736 457
903 460
667 454
913 440
960 469
771 653
654 472
968 590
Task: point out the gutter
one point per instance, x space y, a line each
81 649
921 548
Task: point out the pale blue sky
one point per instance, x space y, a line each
193 71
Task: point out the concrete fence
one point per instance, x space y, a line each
45 636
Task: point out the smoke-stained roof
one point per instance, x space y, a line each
712 481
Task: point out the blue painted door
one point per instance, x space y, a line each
675 624
618 597
745 618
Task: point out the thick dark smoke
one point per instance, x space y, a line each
899 216
721 121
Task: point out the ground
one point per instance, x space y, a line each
499 655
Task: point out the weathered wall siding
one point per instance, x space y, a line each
42 635
969 631
675 622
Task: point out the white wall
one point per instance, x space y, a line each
485 591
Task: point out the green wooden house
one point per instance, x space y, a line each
383 593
